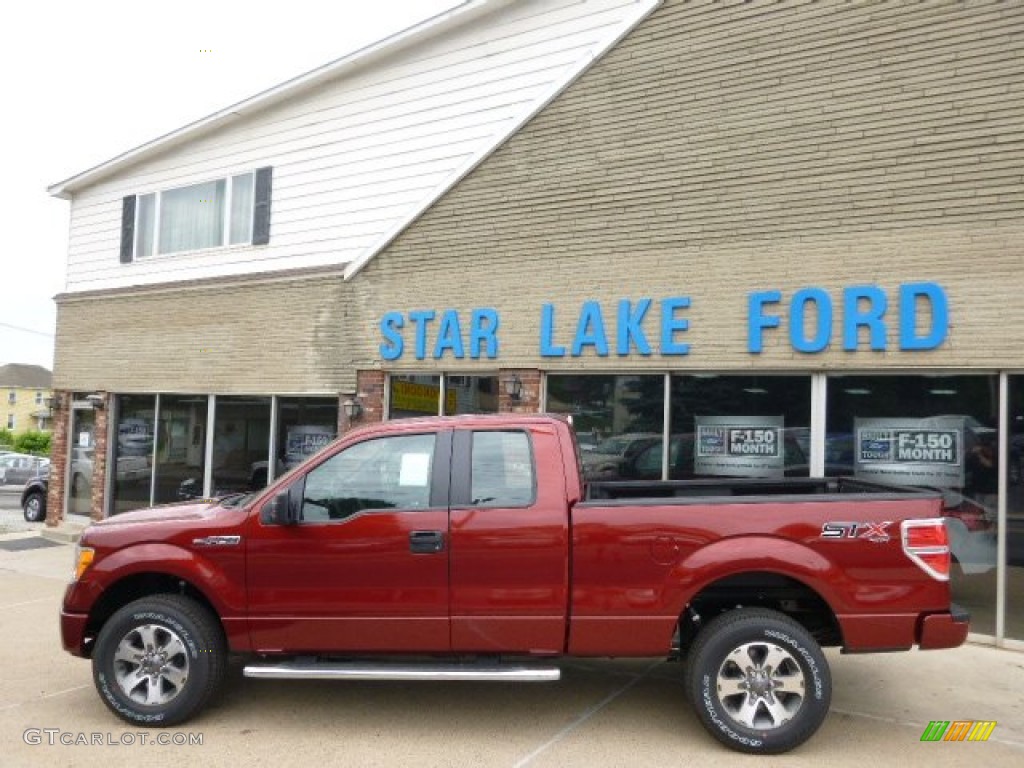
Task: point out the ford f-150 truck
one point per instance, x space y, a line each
470 548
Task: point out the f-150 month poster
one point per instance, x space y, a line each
923 451
739 446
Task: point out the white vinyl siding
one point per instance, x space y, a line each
355 157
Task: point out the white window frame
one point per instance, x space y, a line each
39 398
225 235
12 397
11 421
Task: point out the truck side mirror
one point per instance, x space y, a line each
278 511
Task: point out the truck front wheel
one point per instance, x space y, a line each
758 681
158 660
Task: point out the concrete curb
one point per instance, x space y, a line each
65 533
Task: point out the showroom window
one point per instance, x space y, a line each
938 432
420 395
618 420
304 426
241 444
228 211
1014 609
740 426
181 448
133 452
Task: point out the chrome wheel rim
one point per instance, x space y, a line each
34 507
151 665
761 686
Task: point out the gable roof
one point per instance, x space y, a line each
472 78
25 376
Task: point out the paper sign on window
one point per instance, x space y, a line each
415 470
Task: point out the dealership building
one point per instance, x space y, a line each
728 239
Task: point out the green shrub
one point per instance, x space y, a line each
31 441
6 437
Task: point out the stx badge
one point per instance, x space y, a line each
876 532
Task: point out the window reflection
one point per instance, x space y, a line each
470 394
305 425
931 431
241 444
617 419
740 426
1015 514
133 452
181 447
83 446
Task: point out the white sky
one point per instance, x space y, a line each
85 81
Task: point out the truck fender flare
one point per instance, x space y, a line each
764 554
226 595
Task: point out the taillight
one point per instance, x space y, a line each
926 543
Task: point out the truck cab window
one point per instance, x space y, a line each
502 470
387 473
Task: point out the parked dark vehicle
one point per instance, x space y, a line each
33 497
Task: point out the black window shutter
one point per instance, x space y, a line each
261 206
127 229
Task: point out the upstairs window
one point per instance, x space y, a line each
234 210
12 397
39 398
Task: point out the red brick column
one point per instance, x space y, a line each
370 396
58 458
529 397
99 460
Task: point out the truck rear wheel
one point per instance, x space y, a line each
158 660
758 681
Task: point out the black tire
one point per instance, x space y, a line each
34 507
790 698
188 677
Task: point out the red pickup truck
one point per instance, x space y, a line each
470 548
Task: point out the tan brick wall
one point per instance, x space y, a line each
725 148
265 335
720 149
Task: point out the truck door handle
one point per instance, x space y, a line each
427 542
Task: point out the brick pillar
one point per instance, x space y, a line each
58 458
99 460
529 398
370 395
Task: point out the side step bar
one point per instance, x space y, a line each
330 670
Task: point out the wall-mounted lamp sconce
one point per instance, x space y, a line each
353 409
514 388
96 401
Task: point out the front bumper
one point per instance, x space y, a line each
72 633
944 630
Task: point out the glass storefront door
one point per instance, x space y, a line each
83 449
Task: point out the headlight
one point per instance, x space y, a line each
83 559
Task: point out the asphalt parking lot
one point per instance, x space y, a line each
602 713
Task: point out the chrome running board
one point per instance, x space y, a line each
331 670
